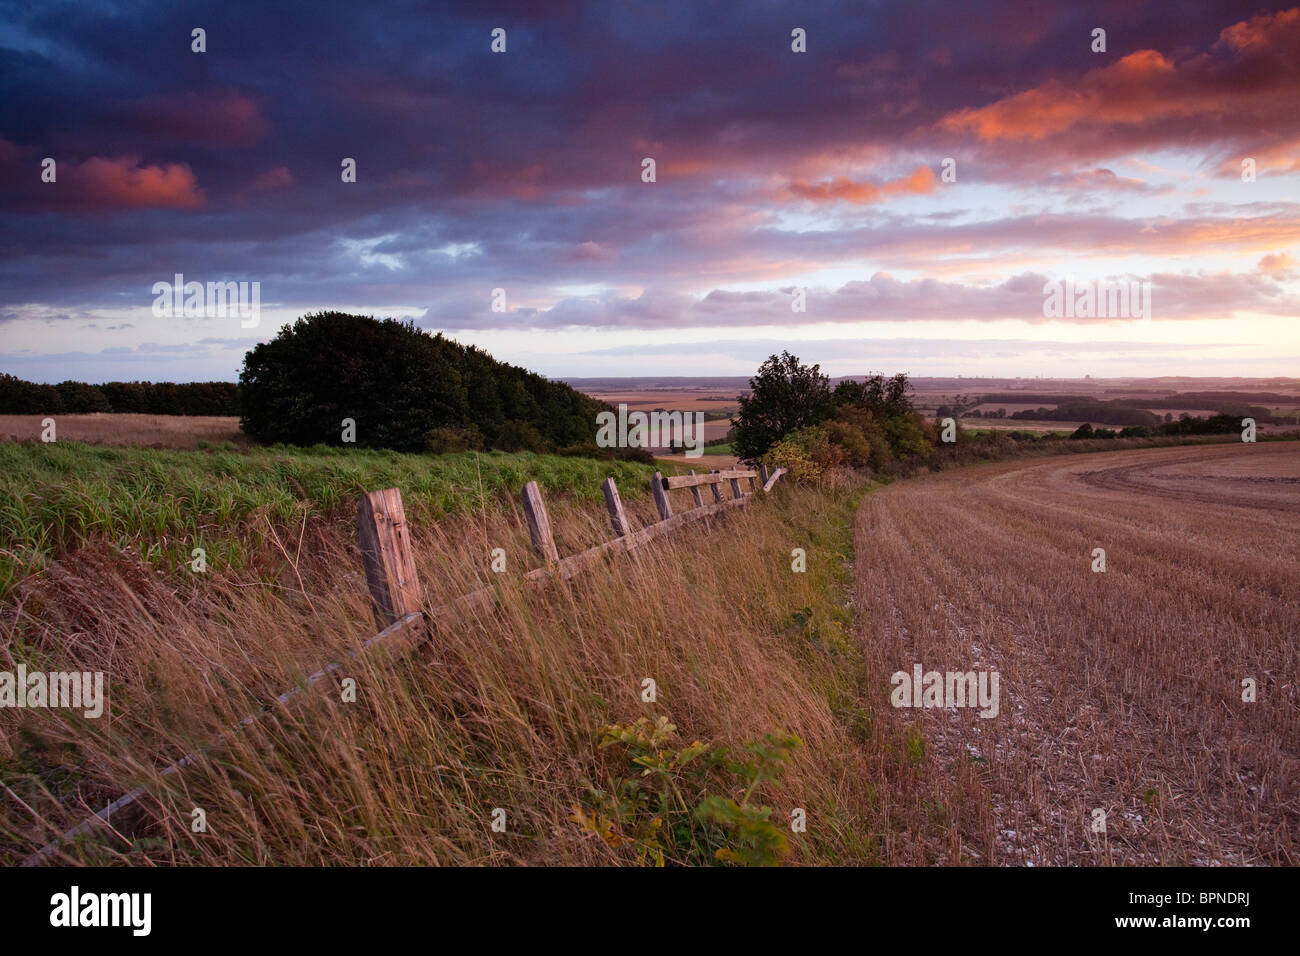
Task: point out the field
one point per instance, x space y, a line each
149 431
56 497
1121 691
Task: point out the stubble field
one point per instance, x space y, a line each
1120 691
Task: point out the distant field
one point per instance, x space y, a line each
686 400
703 463
150 431
1013 424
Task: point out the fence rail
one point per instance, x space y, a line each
384 540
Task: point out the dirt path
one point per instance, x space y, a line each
1119 691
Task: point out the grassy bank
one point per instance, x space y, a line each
163 503
537 708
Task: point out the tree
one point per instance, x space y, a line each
389 377
784 395
405 389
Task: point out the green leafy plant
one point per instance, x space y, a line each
667 814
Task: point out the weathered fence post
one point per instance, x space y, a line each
385 543
762 472
617 516
539 523
735 488
661 497
717 489
695 493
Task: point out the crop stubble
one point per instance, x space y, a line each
1120 691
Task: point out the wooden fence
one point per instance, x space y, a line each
383 537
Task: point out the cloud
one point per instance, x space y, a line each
220 118
1103 180
273 179
1279 265
121 182
880 298
842 189
593 252
1233 94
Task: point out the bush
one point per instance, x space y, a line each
805 453
591 450
854 445
445 440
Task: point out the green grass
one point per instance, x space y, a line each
55 497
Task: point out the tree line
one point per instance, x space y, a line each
20 397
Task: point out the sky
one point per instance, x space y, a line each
875 187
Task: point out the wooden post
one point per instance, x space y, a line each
617 516
661 497
735 488
771 480
762 471
695 493
539 523
717 488
385 543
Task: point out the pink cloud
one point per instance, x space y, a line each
1278 264
842 189
1238 94
122 183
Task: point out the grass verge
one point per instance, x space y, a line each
538 708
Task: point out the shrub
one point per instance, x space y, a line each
805 453
446 440
665 813
855 447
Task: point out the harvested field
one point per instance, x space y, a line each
1119 691
148 431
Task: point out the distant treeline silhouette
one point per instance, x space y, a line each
20 397
1133 411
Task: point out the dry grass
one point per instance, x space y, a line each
148 431
504 709
1119 691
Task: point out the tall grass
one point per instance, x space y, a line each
504 708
